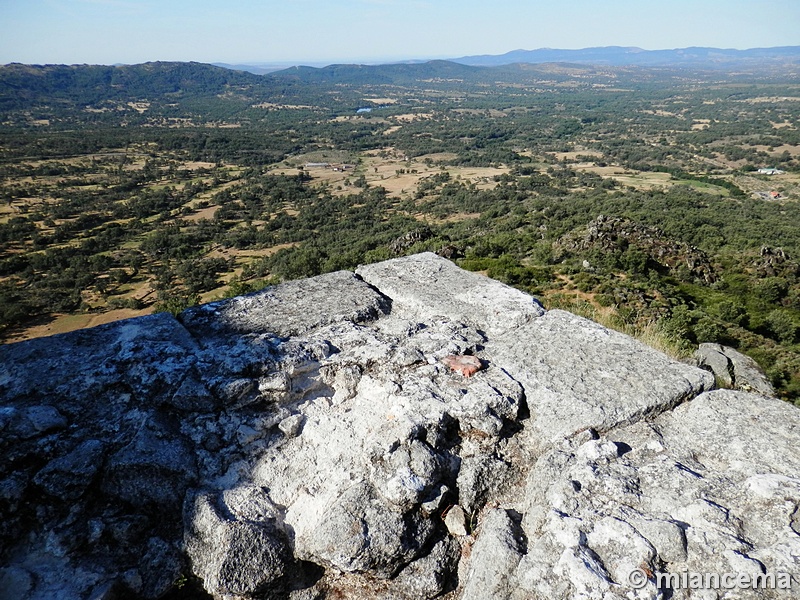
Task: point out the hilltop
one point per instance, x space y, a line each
407 431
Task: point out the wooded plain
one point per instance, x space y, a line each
630 195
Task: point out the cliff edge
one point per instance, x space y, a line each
407 431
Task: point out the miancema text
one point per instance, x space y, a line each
724 581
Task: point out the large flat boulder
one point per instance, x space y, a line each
289 309
579 375
426 286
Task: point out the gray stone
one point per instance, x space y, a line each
733 369
12 490
695 490
425 286
578 375
15 583
234 556
479 478
289 309
69 476
193 396
153 470
667 537
406 474
456 521
360 533
160 567
148 355
753 430
711 357
495 555
43 419
430 575
292 425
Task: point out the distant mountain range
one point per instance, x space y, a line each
618 56
24 86
625 56
397 73
265 68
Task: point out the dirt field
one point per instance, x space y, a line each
59 323
577 153
634 179
393 171
202 213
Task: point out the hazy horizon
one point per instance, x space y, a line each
373 31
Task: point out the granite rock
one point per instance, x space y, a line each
310 441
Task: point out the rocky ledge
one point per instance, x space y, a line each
407 431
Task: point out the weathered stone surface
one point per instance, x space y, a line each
239 550
480 478
578 375
358 532
69 476
456 521
290 309
309 441
153 470
430 575
685 492
425 286
495 555
733 369
147 356
16 583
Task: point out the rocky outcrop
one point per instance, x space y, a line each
614 235
774 262
732 369
408 431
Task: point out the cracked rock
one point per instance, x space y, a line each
305 442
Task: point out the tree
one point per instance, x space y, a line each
782 326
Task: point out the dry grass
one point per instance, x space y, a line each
573 155
409 117
398 175
202 213
635 179
60 323
649 333
770 99
392 129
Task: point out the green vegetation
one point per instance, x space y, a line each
628 195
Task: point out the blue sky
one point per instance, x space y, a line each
311 31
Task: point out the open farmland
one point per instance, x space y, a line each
215 183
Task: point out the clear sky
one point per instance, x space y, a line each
308 31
